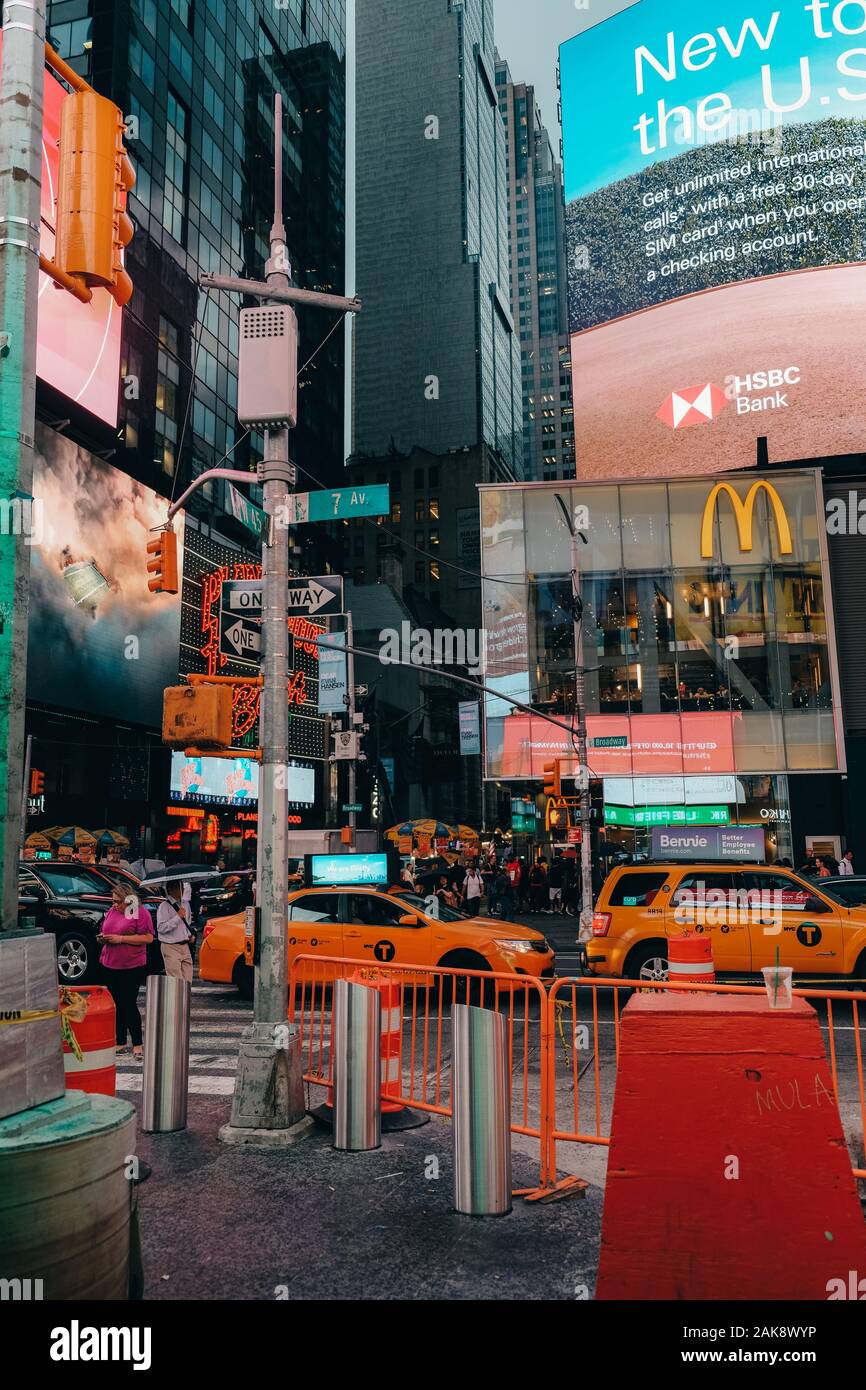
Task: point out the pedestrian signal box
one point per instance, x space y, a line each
197 714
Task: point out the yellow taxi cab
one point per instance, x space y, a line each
373 924
749 910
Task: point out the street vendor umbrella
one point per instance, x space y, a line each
37 841
74 835
465 832
434 828
111 837
397 830
189 873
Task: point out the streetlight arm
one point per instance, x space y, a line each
234 475
289 294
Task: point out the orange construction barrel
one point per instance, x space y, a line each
690 960
89 1011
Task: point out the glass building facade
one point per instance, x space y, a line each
707 643
196 80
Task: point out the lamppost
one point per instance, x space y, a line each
586 910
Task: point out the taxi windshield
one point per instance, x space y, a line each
446 913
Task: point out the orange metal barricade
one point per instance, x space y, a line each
576 1061
425 993
558 1069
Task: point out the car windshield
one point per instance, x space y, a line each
69 883
446 913
851 894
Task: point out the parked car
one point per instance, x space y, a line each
70 901
848 888
751 912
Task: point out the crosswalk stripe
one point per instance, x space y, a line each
130 1084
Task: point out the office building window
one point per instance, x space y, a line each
167 391
176 153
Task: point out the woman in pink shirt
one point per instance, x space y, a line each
127 931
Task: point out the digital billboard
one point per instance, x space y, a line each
99 641
77 345
715 170
233 781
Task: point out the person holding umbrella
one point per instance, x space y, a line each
172 929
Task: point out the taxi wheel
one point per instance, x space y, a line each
648 962
242 978
458 989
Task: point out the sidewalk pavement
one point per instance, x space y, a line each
310 1223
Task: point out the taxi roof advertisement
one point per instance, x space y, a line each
715 172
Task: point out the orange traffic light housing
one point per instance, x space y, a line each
94 179
162 566
552 781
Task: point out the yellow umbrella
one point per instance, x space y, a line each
37 841
111 837
465 832
73 835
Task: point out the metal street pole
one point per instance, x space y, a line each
21 94
269 1094
586 910
350 681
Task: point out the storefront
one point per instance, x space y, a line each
705 630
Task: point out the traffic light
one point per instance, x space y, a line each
163 565
94 179
197 716
552 786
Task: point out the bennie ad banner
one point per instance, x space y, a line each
715 171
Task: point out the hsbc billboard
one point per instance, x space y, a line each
715 170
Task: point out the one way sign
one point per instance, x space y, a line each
240 637
315 597
306 597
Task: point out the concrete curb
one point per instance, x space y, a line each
268 1138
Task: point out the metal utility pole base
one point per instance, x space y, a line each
267 1106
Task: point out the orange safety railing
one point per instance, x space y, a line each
584 1071
562 1076
426 993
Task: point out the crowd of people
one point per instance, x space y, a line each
509 885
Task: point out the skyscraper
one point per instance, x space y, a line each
197 81
437 357
538 282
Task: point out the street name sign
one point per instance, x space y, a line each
338 504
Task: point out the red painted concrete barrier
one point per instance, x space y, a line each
728 1175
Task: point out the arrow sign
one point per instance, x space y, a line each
308 597
240 637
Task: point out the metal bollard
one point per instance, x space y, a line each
357 1023
166 1055
481 1105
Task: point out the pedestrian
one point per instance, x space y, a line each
445 893
809 867
473 887
406 876
504 893
125 934
512 868
172 928
556 882
846 864
826 867
537 885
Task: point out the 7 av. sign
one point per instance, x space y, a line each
338 504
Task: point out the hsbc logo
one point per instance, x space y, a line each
697 405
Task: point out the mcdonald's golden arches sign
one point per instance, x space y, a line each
744 512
